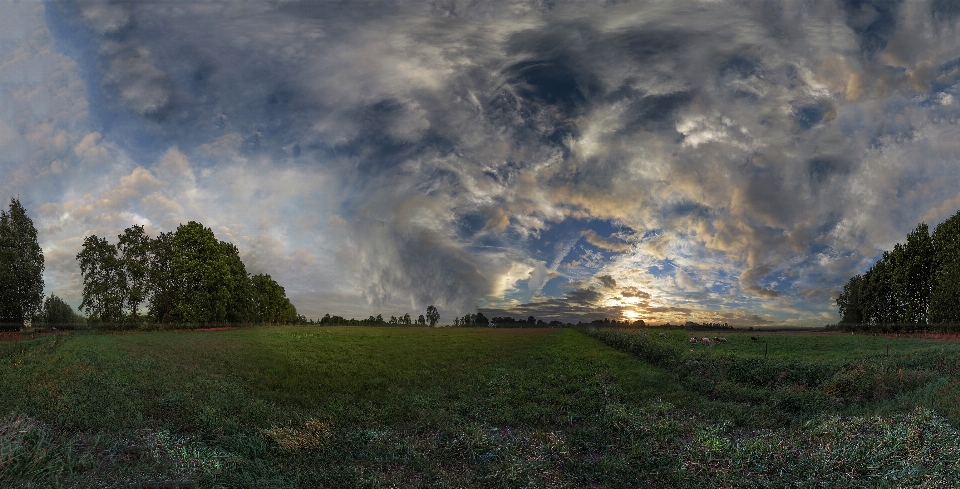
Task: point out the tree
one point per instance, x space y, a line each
422 321
162 281
406 319
433 316
201 275
914 274
104 281
239 286
945 279
915 283
187 276
21 266
270 301
849 302
480 320
133 249
57 313
897 297
289 315
877 293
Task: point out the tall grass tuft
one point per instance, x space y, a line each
24 451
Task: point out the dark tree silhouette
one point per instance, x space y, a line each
433 316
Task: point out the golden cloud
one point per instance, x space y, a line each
593 238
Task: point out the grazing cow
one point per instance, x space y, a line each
721 339
716 338
663 335
693 341
753 338
706 340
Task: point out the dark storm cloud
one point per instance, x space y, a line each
607 281
737 139
573 306
873 21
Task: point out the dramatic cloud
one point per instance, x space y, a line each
731 161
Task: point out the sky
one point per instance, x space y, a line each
711 161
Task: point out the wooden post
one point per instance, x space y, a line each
765 347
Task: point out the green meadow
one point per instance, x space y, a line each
477 407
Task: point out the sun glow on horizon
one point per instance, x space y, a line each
631 315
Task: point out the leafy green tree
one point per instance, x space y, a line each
162 293
915 283
187 276
240 305
201 276
898 295
422 321
849 302
868 300
433 316
104 280
270 302
57 313
134 249
21 266
914 274
945 280
877 293
406 319
289 314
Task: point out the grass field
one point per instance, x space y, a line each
418 407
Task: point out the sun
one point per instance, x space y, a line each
631 314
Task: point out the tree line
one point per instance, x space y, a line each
430 319
914 287
185 277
